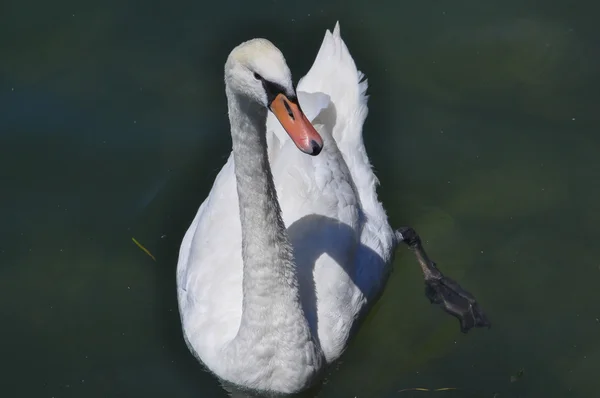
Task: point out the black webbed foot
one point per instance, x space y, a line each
442 290
457 302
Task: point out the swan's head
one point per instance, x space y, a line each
257 70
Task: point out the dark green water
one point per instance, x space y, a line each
483 129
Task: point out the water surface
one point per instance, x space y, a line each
482 128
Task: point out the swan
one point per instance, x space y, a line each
292 247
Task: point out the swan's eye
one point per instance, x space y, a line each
257 76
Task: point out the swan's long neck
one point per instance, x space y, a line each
273 326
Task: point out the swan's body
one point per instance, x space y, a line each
270 313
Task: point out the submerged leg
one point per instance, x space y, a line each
442 290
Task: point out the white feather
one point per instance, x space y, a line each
340 234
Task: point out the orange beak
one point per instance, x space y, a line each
296 125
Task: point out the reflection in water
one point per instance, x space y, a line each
481 130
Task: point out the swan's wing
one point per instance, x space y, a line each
220 199
334 73
209 268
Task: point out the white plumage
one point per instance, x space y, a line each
260 319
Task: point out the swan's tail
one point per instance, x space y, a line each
334 73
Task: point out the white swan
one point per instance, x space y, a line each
288 250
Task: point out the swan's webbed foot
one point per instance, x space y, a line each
457 302
442 290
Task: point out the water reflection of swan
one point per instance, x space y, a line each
289 251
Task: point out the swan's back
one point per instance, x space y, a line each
334 74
